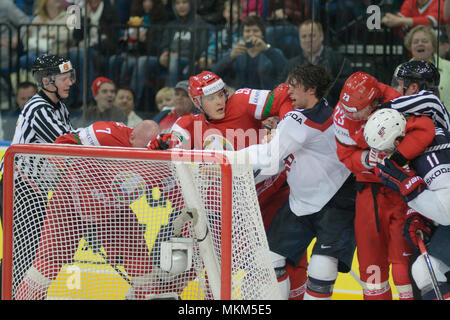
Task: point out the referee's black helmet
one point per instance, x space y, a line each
421 72
48 66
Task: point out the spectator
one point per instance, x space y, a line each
314 51
211 11
447 11
11 17
125 100
253 62
25 91
183 106
293 10
444 45
123 7
415 12
282 30
339 14
446 28
48 33
102 108
168 5
421 41
164 98
27 6
103 36
183 41
139 62
255 8
219 43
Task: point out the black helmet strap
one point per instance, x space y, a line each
51 81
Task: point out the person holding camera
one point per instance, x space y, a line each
252 62
314 50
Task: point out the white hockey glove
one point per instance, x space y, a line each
370 158
182 219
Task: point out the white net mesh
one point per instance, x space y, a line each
92 228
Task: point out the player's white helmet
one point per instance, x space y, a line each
383 127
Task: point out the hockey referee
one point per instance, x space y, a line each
43 119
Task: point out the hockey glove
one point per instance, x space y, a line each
180 221
399 179
371 157
163 142
413 224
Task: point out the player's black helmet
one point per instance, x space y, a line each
50 66
422 72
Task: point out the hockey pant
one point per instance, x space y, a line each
380 216
271 200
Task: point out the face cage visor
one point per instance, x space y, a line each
353 113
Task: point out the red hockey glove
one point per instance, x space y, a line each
163 142
413 224
399 179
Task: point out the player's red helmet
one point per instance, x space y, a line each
204 84
358 92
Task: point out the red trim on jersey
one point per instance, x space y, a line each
319 126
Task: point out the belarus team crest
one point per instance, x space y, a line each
217 142
128 187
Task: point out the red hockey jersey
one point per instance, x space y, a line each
351 143
101 133
241 125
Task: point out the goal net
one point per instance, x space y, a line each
121 223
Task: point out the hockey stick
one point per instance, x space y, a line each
424 252
437 147
204 240
116 268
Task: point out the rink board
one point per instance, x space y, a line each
92 269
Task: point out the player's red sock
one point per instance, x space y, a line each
402 282
297 277
380 291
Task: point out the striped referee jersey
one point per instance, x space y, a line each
422 103
41 121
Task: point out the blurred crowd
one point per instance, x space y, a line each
141 51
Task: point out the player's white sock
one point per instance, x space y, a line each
279 264
322 274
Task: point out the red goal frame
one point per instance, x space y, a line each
116 153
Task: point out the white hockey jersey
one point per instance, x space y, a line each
304 143
434 167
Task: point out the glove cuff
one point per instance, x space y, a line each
365 159
412 188
398 158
